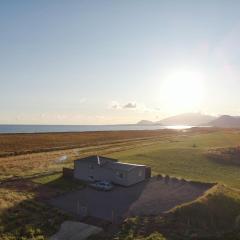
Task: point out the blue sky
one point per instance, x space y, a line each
102 62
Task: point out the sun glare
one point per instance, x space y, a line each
183 91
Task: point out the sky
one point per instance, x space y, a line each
112 62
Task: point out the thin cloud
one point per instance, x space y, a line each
133 106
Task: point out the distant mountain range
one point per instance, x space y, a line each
226 121
197 119
147 122
189 119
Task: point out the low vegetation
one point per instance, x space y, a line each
24 213
212 215
9 198
228 156
30 219
16 144
183 154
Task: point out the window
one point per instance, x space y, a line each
119 174
140 173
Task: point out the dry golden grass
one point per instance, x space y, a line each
9 198
22 216
27 143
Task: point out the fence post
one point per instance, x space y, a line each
112 216
78 207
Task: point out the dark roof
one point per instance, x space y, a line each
111 163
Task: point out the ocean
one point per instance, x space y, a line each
80 128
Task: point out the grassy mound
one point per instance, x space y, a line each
215 216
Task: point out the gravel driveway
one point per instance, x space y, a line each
147 198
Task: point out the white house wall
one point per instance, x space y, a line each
133 175
82 171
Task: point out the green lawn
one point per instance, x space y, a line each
184 156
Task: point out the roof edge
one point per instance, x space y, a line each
95 156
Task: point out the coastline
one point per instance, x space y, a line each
26 128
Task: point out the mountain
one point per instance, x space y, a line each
187 119
190 119
146 122
226 121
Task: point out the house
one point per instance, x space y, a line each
102 168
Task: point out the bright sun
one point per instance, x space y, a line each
183 91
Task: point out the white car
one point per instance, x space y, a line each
102 185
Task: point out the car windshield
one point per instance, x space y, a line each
100 183
105 183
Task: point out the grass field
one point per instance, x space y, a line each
38 160
14 144
181 154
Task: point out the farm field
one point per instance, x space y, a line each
16 144
181 154
25 155
176 153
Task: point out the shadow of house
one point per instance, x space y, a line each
152 197
111 206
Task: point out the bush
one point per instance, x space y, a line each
155 236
